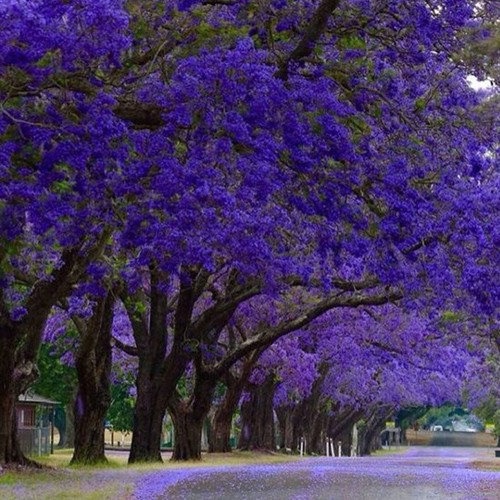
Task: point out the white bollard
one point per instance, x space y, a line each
301 446
332 450
340 448
327 448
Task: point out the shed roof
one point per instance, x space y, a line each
35 399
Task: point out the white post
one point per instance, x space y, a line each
327 448
332 450
340 448
301 446
354 440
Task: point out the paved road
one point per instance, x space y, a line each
419 473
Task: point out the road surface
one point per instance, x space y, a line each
418 473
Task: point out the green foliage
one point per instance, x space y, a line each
440 416
352 41
121 411
450 317
490 413
406 417
57 380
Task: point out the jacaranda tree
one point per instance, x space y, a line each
203 153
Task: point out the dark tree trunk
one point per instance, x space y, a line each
223 418
315 436
150 409
187 435
370 441
93 366
89 429
285 422
14 379
9 446
257 418
308 418
220 436
340 426
189 415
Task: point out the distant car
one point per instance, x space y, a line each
437 428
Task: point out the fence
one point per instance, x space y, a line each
34 440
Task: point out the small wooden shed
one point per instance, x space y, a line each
35 423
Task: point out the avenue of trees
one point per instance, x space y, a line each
289 208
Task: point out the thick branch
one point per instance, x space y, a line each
314 30
270 335
127 349
346 286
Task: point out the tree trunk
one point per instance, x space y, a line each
189 415
257 416
220 437
187 434
285 417
14 380
9 446
223 418
374 424
149 411
89 429
93 366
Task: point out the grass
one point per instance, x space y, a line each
390 451
8 478
62 458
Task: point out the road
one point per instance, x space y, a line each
417 473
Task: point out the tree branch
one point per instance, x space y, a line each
127 349
270 335
314 30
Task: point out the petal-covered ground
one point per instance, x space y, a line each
418 473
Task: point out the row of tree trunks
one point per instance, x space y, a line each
257 417
369 438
